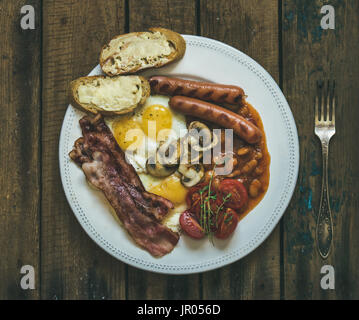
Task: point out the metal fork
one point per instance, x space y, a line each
325 129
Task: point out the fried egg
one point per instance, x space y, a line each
139 134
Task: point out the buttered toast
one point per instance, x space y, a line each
136 51
109 95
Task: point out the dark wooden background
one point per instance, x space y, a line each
37 226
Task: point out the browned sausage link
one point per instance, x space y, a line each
212 113
218 93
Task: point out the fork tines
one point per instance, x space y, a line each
326 99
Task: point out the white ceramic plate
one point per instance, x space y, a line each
209 60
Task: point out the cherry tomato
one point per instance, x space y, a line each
190 225
193 199
191 192
216 208
227 223
239 194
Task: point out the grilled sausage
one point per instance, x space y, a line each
217 93
212 113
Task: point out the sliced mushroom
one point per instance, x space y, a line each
194 157
189 155
155 168
169 153
201 137
191 174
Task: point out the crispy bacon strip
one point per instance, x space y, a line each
105 166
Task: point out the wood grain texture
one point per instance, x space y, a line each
73 266
310 54
20 93
177 15
180 16
252 27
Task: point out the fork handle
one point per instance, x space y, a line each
324 223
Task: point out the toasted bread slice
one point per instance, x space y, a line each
109 95
136 51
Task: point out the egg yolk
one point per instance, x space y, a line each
156 118
172 189
128 133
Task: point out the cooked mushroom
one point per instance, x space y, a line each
169 153
188 154
155 168
191 174
201 138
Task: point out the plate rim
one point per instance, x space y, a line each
234 255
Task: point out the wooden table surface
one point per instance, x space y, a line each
37 225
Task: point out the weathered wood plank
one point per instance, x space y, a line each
73 266
20 96
309 54
180 16
252 27
177 15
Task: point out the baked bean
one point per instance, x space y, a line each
235 162
258 171
215 181
219 159
229 160
254 188
235 173
250 166
258 155
243 151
